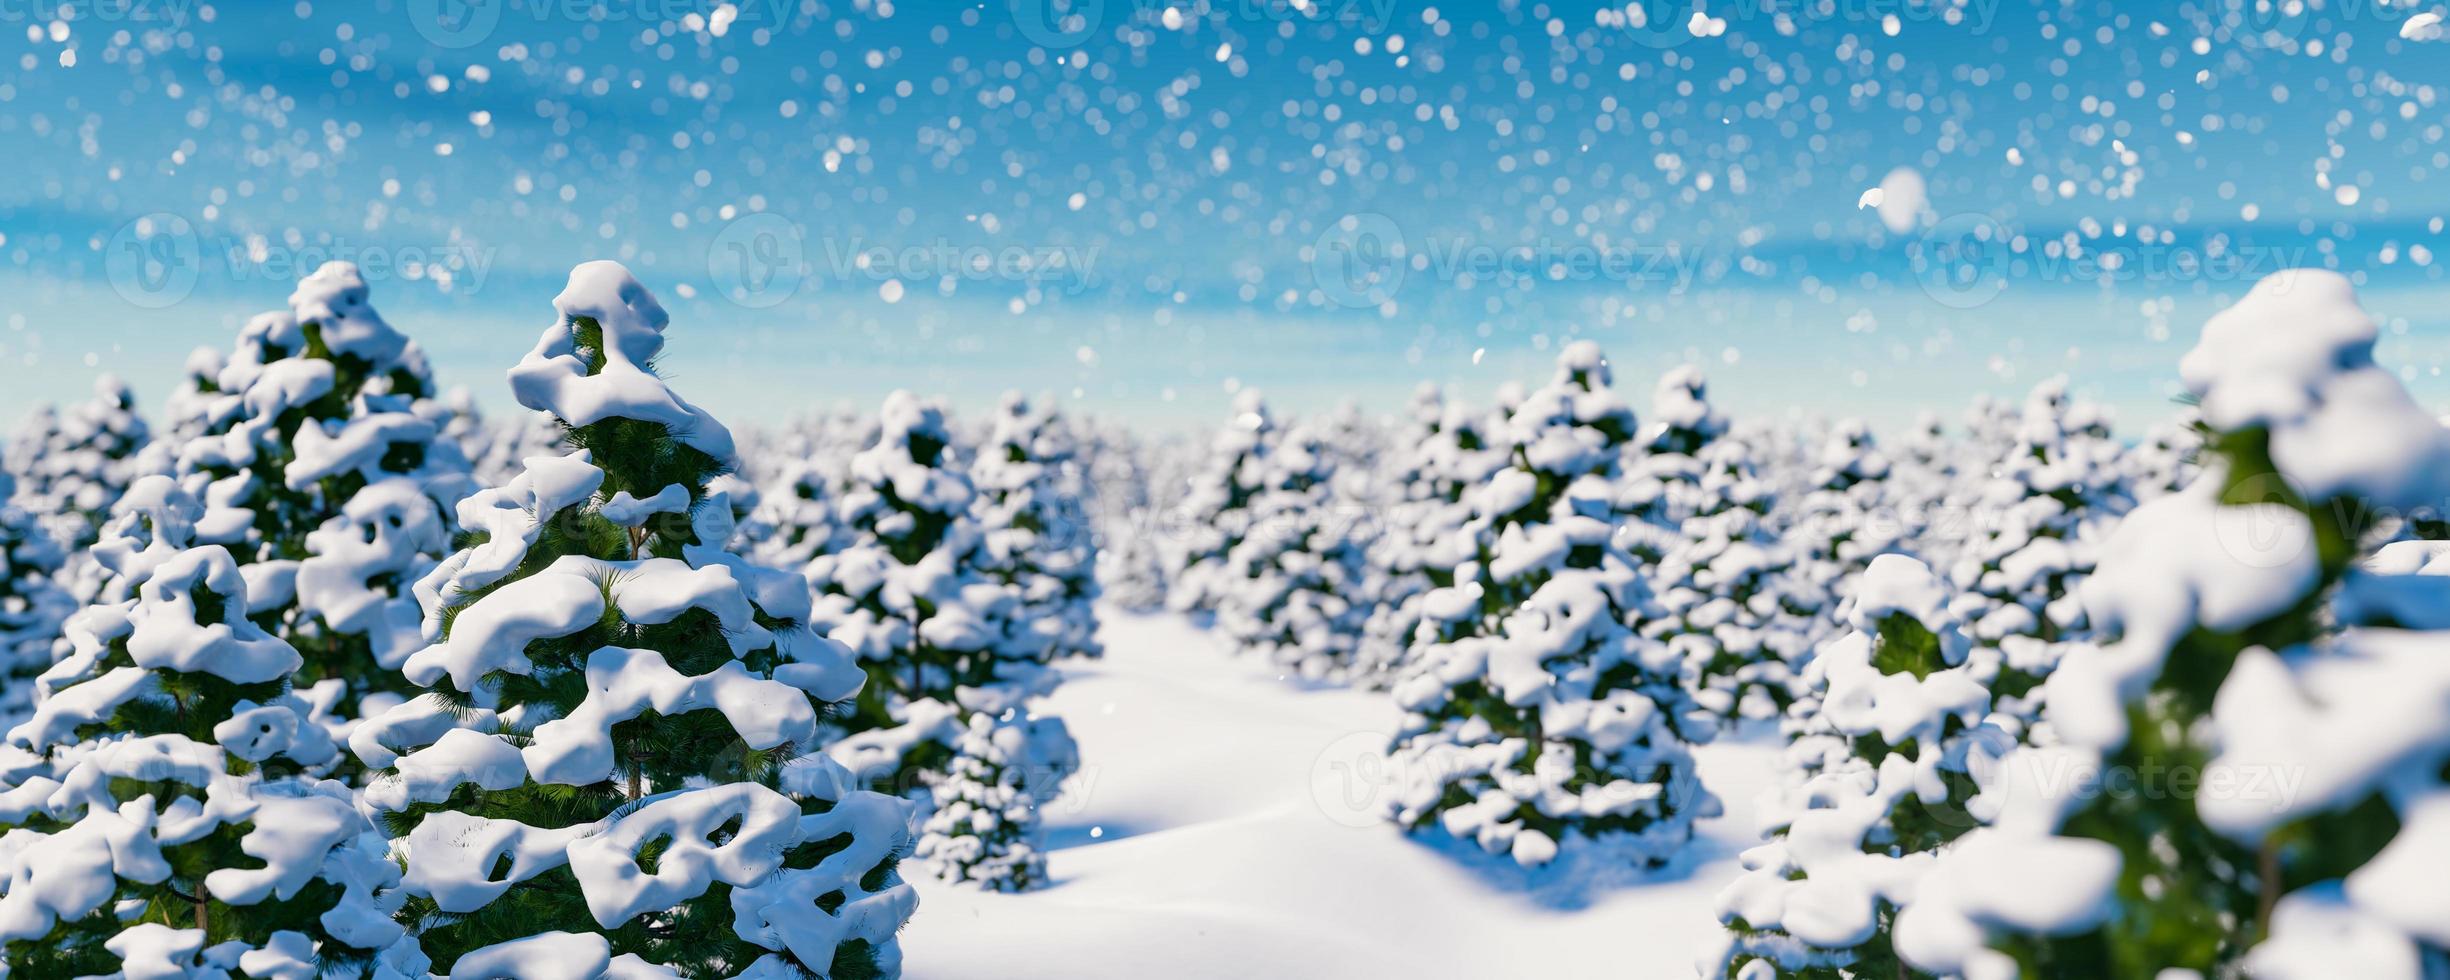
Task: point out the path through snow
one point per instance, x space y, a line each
1205 838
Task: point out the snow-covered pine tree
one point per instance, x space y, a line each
1126 482
511 442
1355 446
1444 452
2163 461
794 519
185 412
2033 520
32 605
1844 518
648 806
909 597
1537 721
1298 593
1215 511
1899 716
942 642
2249 779
72 466
322 470
1722 592
984 825
459 422
1032 506
161 811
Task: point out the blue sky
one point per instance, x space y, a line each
1138 206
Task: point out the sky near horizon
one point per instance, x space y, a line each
1851 207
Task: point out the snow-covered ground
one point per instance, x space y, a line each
1208 836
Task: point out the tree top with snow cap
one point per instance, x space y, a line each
595 362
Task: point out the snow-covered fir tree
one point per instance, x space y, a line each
511 441
793 520
322 469
185 412
983 827
908 593
1299 591
1900 714
1129 495
2032 522
1723 595
943 643
616 772
32 605
2252 658
163 813
1215 513
1536 721
1444 451
2163 461
72 466
1039 535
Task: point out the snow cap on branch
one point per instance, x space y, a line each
2296 356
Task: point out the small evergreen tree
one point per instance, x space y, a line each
1299 593
72 467
1031 490
1215 513
2035 519
648 803
322 469
1845 517
984 826
32 605
1899 717
1130 499
170 810
1447 451
794 519
1724 597
909 596
1537 720
942 640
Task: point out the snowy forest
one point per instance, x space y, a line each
2038 589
